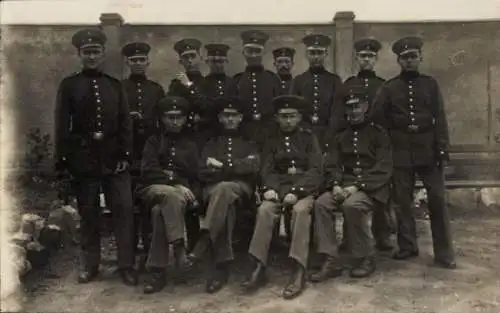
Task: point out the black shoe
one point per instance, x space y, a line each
182 261
343 247
363 268
329 269
218 279
155 281
296 284
129 276
256 279
450 265
404 254
88 275
201 248
384 246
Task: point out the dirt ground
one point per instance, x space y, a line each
398 286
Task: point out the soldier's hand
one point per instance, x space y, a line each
271 195
214 163
121 166
188 194
290 199
348 191
136 115
338 193
184 79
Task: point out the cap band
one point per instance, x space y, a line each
188 52
406 51
253 45
316 48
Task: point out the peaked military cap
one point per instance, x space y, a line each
355 94
289 102
88 37
228 102
367 44
284 52
407 44
254 37
173 104
317 40
136 48
188 44
217 49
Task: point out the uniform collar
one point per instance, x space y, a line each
194 76
317 70
367 74
287 134
285 77
408 75
90 72
138 77
254 68
217 75
355 127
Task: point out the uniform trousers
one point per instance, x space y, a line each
168 205
357 210
118 197
403 185
222 201
268 215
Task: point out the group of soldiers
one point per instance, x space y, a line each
308 147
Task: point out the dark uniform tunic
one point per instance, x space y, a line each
359 156
168 160
285 83
227 188
292 164
410 106
143 94
214 85
322 89
93 132
257 87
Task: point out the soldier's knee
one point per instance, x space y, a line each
324 202
266 209
302 209
225 187
353 207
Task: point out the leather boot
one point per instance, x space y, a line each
363 267
343 247
330 269
155 280
384 245
218 278
404 254
87 275
296 284
129 276
182 262
256 279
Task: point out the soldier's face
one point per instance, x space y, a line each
288 119
138 64
190 61
366 60
173 122
356 112
410 61
316 57
230 119
253 55
217 65
283 65
92 57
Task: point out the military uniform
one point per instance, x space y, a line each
322 89
370 83
226 189
169 160
292 165
287 78
411 107
358 156
257 87
143 95
93 137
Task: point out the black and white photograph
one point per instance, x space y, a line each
261 156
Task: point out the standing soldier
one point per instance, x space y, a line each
291 175
229 171
366 57
283 61
93 143
169 169
216 84
411 107
358 170
319 87
143 95
256 86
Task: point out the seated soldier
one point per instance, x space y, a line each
168 170
291 174
231 165
358 169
